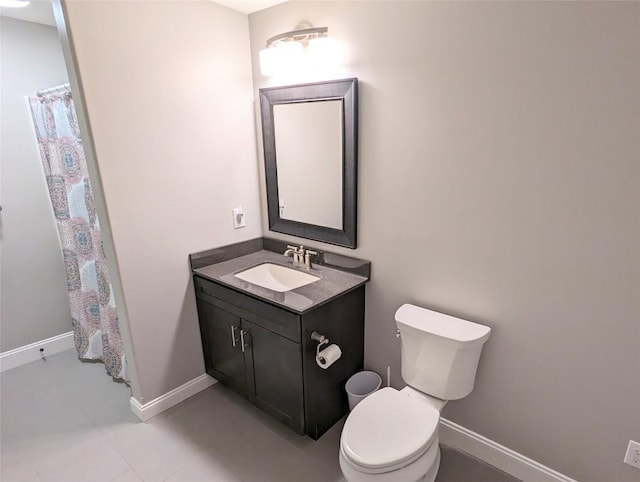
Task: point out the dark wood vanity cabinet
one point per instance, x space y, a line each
266 354
223 356
255 362
274 375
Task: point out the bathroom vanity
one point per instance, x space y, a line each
258 340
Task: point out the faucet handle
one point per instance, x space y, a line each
307 258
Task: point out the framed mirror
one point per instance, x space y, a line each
309 134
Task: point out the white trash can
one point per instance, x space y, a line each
360 386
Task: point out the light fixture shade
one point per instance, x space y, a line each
268 61
302 52
280 57
322 51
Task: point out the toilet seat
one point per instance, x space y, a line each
424 468
388 430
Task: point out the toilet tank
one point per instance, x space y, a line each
440 353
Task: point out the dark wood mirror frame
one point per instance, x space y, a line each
346 91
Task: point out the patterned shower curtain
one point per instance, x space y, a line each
95 322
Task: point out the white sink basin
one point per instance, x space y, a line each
276 277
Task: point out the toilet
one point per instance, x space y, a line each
392 435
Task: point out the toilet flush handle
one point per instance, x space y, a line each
397 332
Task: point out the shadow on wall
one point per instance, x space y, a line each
187 330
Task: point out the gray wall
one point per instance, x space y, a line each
499 181
33 302
168 92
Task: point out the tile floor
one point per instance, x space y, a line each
66 421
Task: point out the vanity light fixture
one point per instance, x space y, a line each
306 45
14 3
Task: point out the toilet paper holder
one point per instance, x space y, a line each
326 355
321 339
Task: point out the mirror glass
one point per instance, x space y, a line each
310 161
309 134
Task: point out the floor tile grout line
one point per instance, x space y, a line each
184 432
129 469
255 417
172 474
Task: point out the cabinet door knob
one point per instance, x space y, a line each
243 345
233 336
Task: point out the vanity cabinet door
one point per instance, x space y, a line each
220 331
274 374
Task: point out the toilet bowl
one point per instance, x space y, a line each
424 469
392 436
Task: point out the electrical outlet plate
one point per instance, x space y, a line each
633 454
238 217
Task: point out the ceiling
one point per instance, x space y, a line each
39 11
248 6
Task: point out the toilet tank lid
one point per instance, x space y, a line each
442 325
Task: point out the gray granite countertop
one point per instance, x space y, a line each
332 282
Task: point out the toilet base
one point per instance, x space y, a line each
423 469
433 471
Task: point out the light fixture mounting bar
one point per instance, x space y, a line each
298 34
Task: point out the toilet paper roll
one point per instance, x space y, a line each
328 356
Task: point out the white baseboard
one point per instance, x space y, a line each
501 457
29 353
145 411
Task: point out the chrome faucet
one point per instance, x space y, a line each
296 253
301 257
